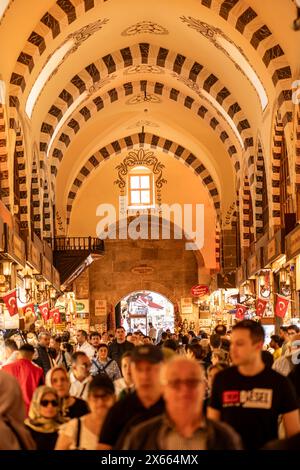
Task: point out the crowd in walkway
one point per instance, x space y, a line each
158 392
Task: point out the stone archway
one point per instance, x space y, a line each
136 309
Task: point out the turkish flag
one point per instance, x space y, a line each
240 311
281 307
261 306
28 309
44 309
55 314
10 300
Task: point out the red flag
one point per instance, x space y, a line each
28 309
261 306
240 311
10 300
44 309
55 314
281 307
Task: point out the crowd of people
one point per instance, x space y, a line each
158 392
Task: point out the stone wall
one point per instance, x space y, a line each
171 271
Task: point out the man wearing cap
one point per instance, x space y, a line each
142 404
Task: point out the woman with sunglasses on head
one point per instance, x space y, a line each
83 433
44 417
71 407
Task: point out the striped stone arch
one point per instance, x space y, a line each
144 140
236 12
278 134
35 198
22 172
260 184
218 245
47 212
4 169
97 103
245 216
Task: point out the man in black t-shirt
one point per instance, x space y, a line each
249 396
144 403
119 346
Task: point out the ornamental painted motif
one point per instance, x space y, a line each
141 157
144 27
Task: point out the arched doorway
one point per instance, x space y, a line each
137 309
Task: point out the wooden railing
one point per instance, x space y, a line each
76 244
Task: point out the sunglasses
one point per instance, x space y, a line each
190 383
49 402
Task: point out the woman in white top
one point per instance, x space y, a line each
83 433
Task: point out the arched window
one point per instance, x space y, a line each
141 188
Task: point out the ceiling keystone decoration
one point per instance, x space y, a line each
140 98
143 68
144 27
143 123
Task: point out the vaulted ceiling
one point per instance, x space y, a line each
197 79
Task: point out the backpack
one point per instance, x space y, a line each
101 369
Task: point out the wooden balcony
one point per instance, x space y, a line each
72 255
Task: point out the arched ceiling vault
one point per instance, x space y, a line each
76 62
151 141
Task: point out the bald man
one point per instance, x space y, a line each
182 426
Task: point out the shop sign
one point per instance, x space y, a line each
186 305
47 269
271 249
55 278
274 248
100 307
252 264
200 290
293 243
82 306
33 256
241 274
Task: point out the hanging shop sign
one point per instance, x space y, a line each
47 269
186 304
241 274
33 256
274 248
292 242
14 246
55 278
252 265
100 307
82 306
199 291
48 252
